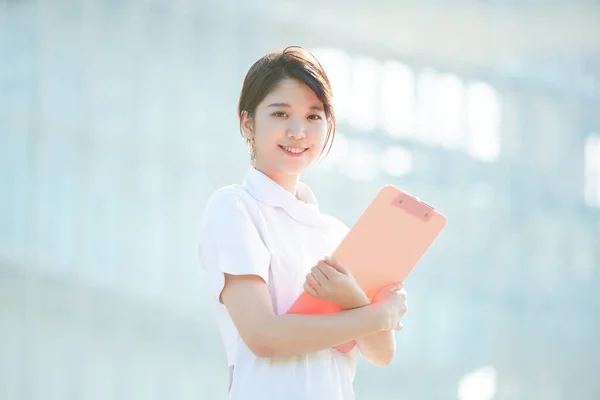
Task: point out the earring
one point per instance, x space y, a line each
252 149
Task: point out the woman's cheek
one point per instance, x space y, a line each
321 135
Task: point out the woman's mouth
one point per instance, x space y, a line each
293 151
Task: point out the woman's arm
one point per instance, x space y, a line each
377 348
331 281
380 348
249 304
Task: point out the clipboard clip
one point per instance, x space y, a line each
414 206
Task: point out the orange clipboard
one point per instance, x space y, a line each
382 248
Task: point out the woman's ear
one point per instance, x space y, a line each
246 125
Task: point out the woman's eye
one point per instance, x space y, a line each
279 114
314 117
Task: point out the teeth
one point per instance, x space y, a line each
294 150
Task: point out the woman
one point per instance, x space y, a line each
262 243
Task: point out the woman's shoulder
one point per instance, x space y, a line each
226 193
226 197
229 201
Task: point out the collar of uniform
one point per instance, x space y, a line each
304 208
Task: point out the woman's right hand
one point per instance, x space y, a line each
393 301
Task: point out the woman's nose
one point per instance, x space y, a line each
296 130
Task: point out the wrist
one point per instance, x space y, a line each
357 301
382 316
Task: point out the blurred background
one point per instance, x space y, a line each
118 119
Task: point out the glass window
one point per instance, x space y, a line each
483 121
592 170
397 99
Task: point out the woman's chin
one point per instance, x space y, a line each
292 170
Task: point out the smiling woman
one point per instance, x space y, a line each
289 122
263 242
286 108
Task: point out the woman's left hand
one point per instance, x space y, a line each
329 280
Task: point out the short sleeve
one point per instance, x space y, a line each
231 241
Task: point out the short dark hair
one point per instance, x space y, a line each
293 62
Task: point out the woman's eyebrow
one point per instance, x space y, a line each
315 108
279 105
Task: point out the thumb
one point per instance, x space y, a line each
336 265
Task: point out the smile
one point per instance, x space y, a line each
295 151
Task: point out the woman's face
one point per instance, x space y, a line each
289 129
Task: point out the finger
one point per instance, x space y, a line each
396 287
322 267
337 265
309 289
319 274
329 271
310 278
403 293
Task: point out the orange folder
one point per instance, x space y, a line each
383 246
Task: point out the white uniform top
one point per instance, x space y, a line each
259 228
